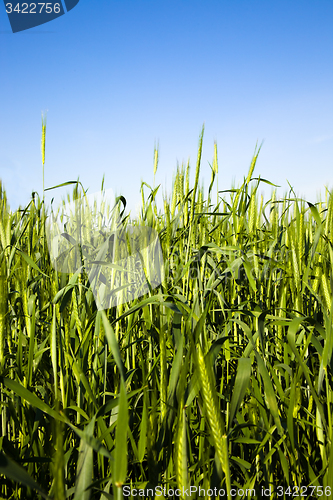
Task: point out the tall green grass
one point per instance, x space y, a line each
221 377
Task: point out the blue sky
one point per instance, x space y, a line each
118 77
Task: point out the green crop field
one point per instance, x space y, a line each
218 378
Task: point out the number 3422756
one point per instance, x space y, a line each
33 8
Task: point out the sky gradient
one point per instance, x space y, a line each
118 77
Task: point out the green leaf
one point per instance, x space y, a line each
143 431
241 384
71 283
80 376
84 471
11 469
260 179
248 271
91 441
120 454
62 185
315 213
113 344
31 262
269 393
54 357
31 398
307 374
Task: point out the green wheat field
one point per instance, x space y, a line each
218 378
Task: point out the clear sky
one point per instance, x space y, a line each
118 77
